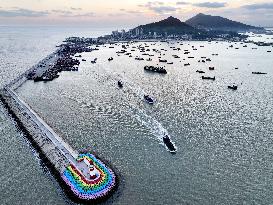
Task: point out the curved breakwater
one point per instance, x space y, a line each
82 180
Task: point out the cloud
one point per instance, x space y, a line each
182 3
116 14
163 9
61 11
210 4
158 7
131 11
88 14
76 9
258 6
19 12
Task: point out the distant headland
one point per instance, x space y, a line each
199 27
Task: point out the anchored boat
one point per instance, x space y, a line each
155 69
233 87
208 78
148 99
259 73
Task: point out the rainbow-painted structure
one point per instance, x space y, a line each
84 185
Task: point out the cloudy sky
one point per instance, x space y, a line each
129 13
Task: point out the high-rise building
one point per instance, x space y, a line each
130 32
137 31
123 33
115 33
141 31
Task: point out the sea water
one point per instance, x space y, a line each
223 137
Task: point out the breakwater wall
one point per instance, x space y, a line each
83 177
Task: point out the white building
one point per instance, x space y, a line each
137 31
123 33
141 31
115 33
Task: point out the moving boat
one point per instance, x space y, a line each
120 84
148 99
169 144
200 71
110 59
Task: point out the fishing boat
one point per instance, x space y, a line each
259 73
162 61
155 69
233 87
208 78
148 99
139 59
120 84
94 61
167 141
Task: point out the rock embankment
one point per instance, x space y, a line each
37 136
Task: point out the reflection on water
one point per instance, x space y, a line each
223 136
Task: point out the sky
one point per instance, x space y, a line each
129 13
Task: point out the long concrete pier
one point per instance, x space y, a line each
83 176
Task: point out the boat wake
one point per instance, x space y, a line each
155 127
129 86
111 78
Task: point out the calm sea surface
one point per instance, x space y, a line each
223 137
